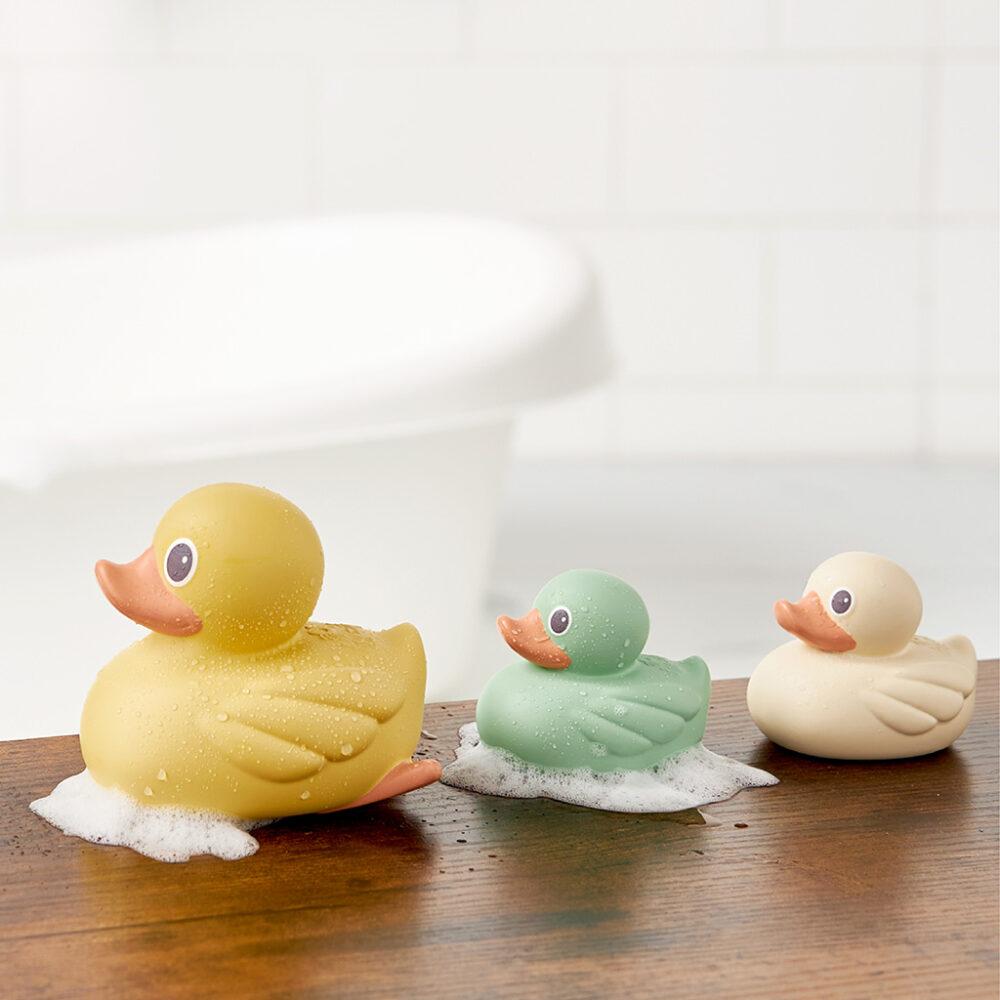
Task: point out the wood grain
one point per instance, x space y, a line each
846 880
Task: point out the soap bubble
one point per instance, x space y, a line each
80 807
691 778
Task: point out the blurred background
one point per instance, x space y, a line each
791 207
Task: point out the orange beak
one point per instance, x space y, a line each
528 638
138 592
807 620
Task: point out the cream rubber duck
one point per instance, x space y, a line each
858 683
236 702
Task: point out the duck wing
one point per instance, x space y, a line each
633 724
289 727
919 696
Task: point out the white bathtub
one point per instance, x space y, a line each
366 367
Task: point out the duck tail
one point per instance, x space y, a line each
695 664
407 649
695 671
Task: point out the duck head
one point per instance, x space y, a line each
855 601
237 565
584 620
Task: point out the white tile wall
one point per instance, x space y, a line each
623 26
851 24
520 139
849 303
965 422
789 420
970 106
792 204
578 428
58 28
967 279
162 143
8 145
680 303
971 22
737 139
315 27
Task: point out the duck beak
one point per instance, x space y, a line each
139 593
807 620
528 638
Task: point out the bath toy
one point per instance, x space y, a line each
584 695
236 702
585 707
857 683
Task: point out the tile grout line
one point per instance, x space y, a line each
766 221
776 54
776 24
166 29
705 381
467 15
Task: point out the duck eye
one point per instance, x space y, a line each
560 620
180 562
841 602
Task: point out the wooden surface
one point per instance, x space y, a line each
846 880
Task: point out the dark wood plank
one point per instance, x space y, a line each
844 880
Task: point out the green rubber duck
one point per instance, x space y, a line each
584 695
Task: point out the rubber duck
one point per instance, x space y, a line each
857 683
583 694
236 702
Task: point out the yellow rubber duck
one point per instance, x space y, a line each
236 702
858 683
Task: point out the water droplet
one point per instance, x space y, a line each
222 717
347 749
147 790
306 794
356 676
161 775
